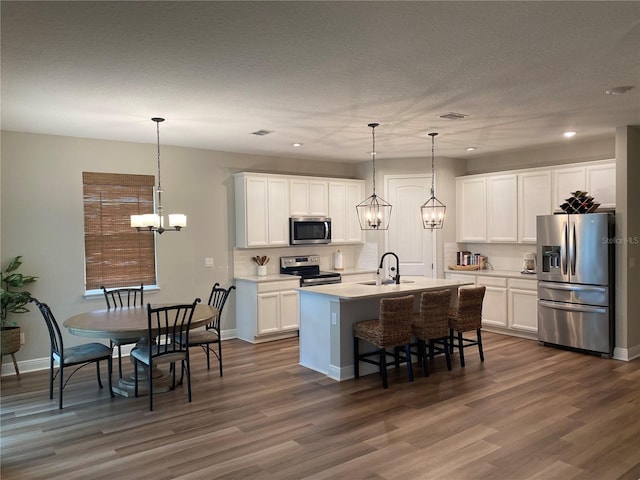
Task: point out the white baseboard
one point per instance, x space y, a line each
36 364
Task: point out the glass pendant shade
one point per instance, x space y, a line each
433 210
374 212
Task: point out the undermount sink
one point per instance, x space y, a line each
387 282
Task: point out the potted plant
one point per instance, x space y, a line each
12 301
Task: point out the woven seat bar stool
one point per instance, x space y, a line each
391 330
431 324
467 317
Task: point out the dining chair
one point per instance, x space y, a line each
78 355
163 325
431 325
210 334
467 317
392 329
120 298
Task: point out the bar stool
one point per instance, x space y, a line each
392 329
467 317
431 325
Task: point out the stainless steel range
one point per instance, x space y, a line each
308 267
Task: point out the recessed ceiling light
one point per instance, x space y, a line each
618 90
569 134
471 149
296 144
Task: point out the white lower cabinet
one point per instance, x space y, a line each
494 305
267 310
523 305
510 304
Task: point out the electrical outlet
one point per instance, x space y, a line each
208 262
21 338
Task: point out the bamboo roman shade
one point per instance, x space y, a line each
116 255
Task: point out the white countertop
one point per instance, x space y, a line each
496 273
357 290
268 278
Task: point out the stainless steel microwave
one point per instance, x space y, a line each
309 230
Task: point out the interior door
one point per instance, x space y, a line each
413 244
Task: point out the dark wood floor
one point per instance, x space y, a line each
528 412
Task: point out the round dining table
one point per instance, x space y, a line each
130 322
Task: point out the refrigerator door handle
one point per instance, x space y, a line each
563 247
571 287
572 307
572 248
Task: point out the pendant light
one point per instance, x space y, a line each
374 212
433 210
154 222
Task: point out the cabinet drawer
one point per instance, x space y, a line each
523 284
279 286
491 281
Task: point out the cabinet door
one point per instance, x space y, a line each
565 181
534 198
256 211
601 184
337 211
354 194
268 312
471 208
523 310
289 310
502 208
494 307
278 211
318 203
299 197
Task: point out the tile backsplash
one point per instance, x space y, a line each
354 256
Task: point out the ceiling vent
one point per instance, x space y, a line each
262 133
453 116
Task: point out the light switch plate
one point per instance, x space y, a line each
208 262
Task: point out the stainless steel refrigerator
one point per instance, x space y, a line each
575 281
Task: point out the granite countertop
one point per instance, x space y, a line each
268 278
360 290
496 273
351 271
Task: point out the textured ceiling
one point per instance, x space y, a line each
319 72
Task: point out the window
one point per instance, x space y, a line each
116 255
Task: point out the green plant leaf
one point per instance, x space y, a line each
14 264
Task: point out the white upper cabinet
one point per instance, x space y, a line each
566 181
471 207
601 184
599 180
309 197
502 208
344 195
262 210
534 198
264 203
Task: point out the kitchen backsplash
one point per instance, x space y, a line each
361 256
502 256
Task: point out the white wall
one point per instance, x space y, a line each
42 218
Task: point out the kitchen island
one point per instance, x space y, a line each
327 313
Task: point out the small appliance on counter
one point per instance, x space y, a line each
529 264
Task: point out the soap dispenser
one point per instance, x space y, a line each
378 278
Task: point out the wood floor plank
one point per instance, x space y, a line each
527 413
